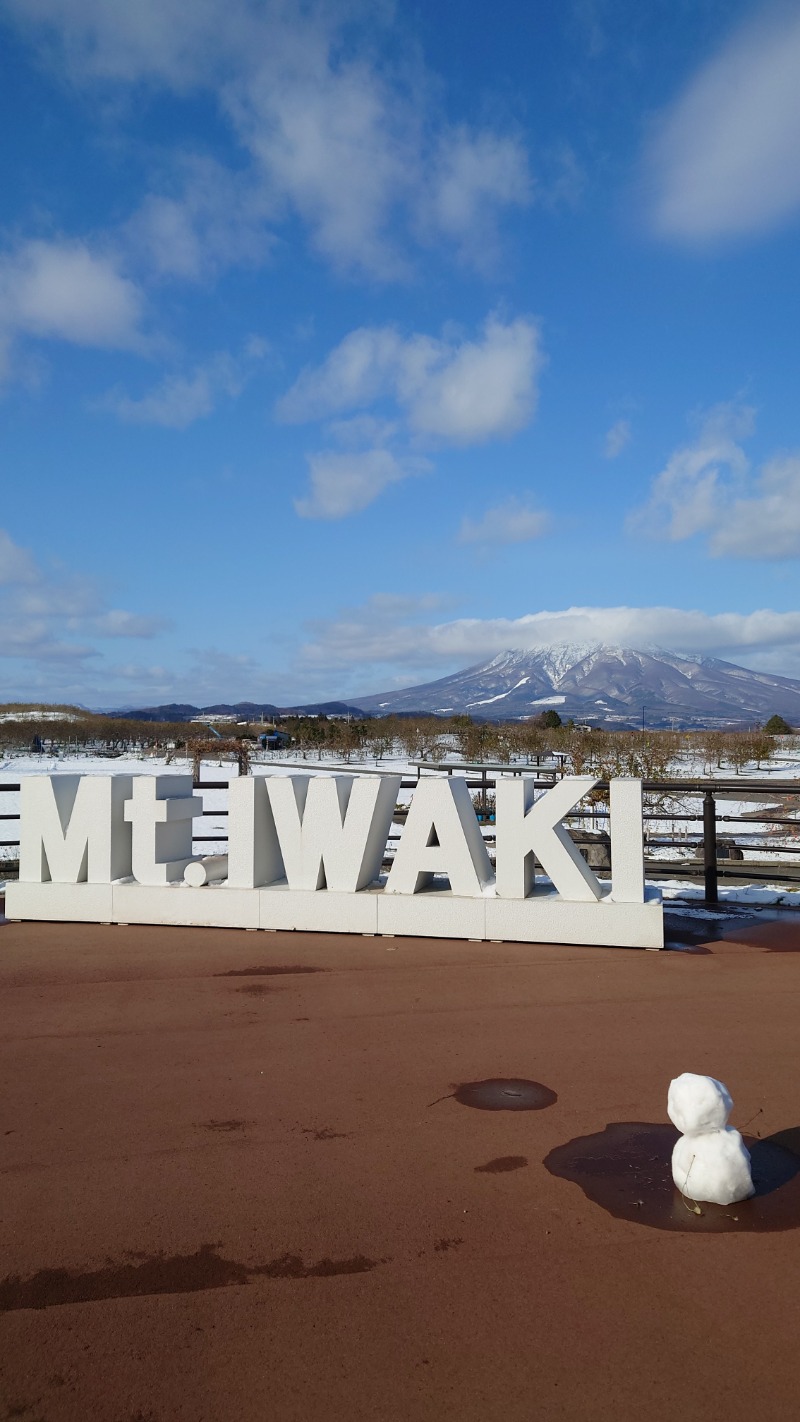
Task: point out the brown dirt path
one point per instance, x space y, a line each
231 1191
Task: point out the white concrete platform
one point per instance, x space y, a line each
547 918
434 913
544 918
178 904
85 903
318 911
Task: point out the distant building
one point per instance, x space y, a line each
274 740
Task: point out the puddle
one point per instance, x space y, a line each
504 1094
157 1274
291 1266
223 1126
687 932
626 1170
687 929
267 972
502 1164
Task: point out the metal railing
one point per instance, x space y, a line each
707 841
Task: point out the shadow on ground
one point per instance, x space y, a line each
626 1170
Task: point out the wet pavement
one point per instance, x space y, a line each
419 1181
688 928
626 1170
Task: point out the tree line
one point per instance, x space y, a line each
649 754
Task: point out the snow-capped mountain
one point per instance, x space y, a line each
599 684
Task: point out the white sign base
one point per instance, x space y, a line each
542 918
306 853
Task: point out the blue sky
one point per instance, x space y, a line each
343 345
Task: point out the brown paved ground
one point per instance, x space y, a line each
167 1127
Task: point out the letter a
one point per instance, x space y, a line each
441 836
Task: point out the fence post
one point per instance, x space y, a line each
710 847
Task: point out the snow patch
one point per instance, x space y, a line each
502 694
39 716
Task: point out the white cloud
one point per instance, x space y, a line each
157 40
454 389
330 140
360 150
687 496
118 623
370 644
765 523
708 487
513 521
345 483
49 618
723 159
179 400
476 390
208 675
448 390
203 220
474 175
617 439
355 144
355 374
16 564
33 642
62 290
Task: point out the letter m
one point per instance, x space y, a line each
72 829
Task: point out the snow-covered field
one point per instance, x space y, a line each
738 822
737 818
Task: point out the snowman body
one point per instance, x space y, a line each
710 1161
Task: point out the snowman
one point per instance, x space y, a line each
710 1161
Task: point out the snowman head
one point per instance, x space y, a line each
698 1104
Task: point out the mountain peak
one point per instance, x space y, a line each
603 684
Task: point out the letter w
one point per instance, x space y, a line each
332 831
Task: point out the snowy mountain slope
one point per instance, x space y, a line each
602 684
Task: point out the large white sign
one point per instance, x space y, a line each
305 852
